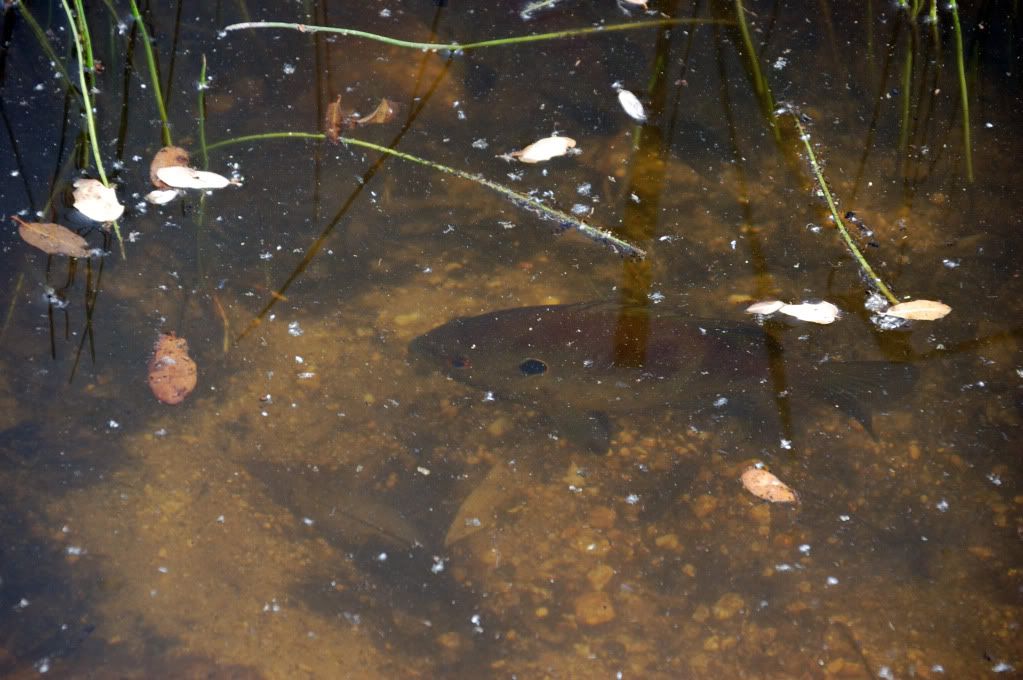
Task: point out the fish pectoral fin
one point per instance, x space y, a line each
590 430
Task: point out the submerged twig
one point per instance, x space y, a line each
496 42
868 271
597 234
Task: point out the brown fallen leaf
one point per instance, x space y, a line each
334 121
166 157
52 239
919 310
172 373
766 486
384 113
543 150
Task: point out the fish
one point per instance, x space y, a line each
585 364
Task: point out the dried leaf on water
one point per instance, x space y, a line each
172 373
97 201
181 177
383 113
633 107
168 156
334 121
919 310
52 239
544 149
766 486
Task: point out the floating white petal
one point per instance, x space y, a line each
97 202
766 307
544 149
919 310
632 105
814 312
161 196
180 177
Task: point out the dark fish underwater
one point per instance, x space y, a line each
582 364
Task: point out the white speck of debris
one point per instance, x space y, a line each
780 63
885 673
476 620
299 360
163 570
473 522
266 256
489 396
308 521
294 329
288 69
720 401
804 549
581 209
480 144
22 603
844 518
306 375
385 13
656 297
786 444
584 189
994 479
574 489
831 581
951 263
942 505
15 173
784 567
423 471
1002 667
438 565
220 519
43 665
162 432
113 424
937 668
75 550
382 557
632 499
989 125
272 606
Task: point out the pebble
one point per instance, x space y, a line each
594 609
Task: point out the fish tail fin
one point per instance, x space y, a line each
859 388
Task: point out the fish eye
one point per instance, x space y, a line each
460 361
532 367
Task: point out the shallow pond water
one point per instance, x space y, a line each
328 504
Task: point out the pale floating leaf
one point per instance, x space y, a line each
172 373
180 177
52 239
544 149
635 3
766 486
919 310
632 106
384 113
96 201
168 156
161 196
814 312
766 307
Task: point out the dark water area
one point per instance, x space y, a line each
329 503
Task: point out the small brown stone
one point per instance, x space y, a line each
727 606
599 576
594 609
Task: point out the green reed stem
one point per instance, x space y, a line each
963 95
804 136
597 234
154 77
87 105
202 116
497 42
758 77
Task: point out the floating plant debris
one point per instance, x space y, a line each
97 201
168 156
766 486
543 150
52 239
181 177
814 312
172 373
919 310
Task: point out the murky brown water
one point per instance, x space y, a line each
321 507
